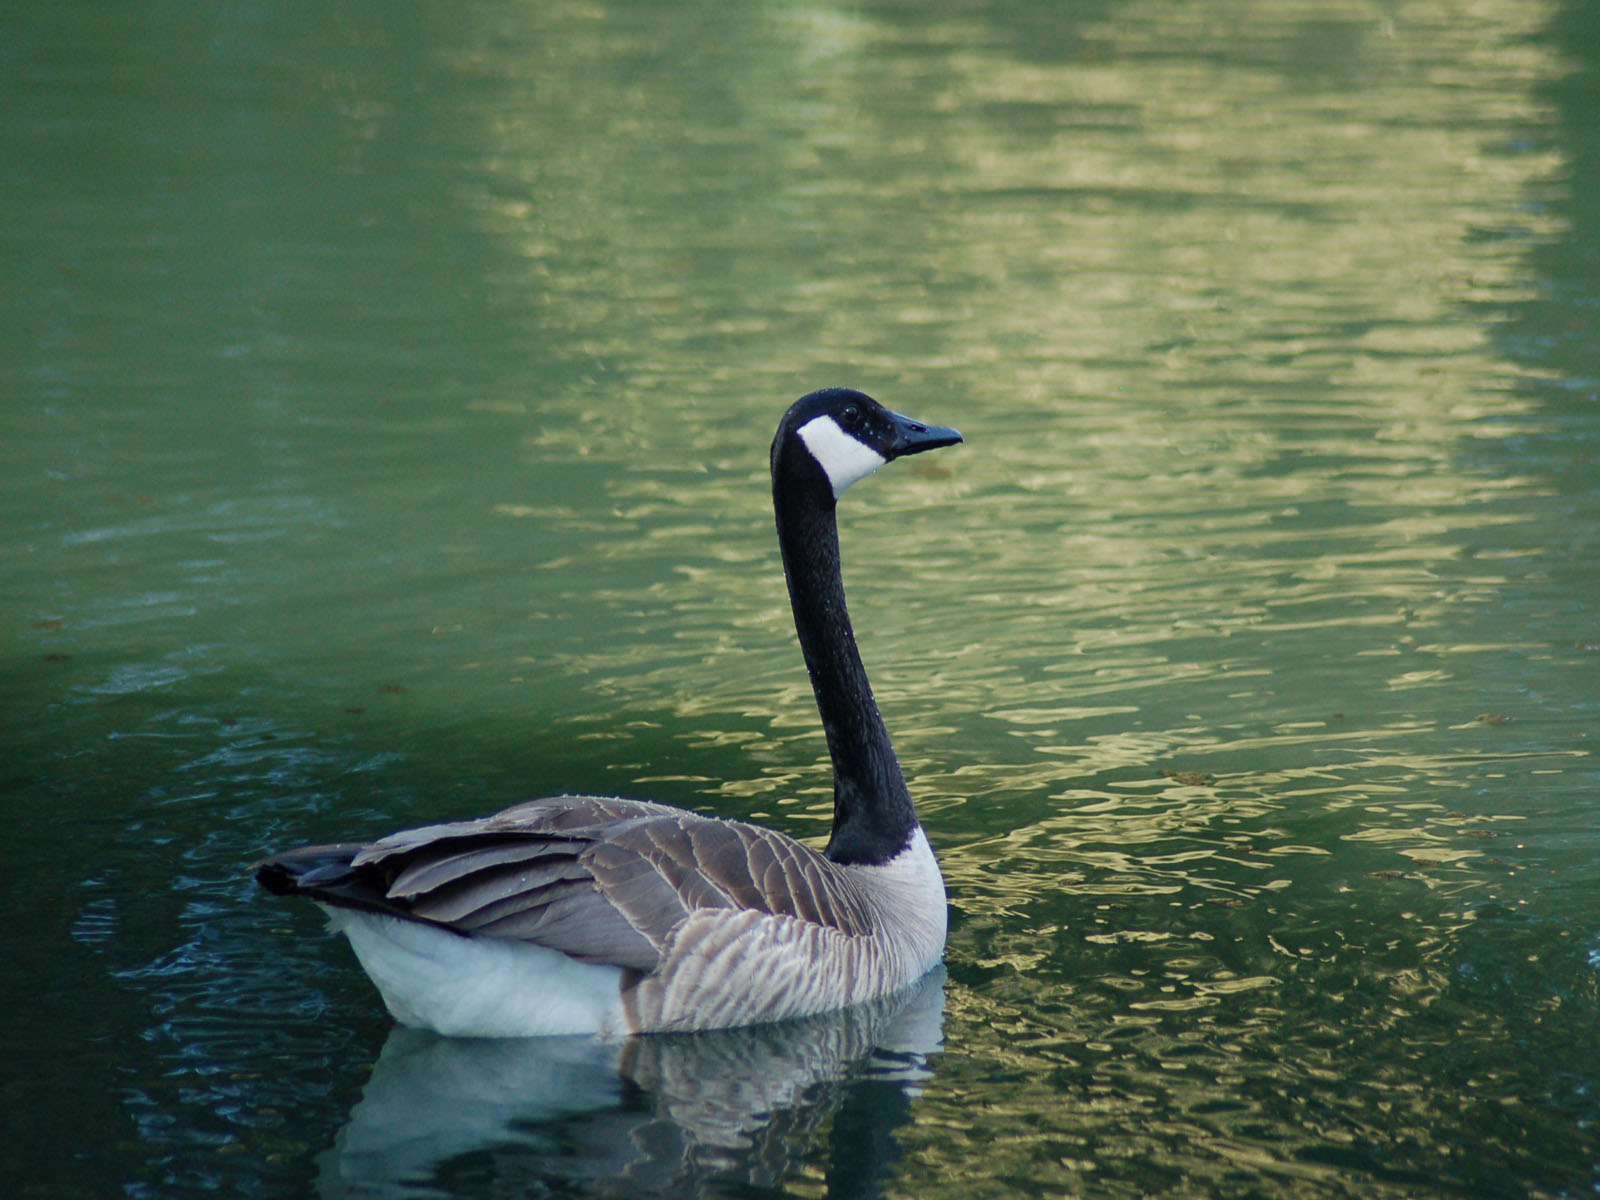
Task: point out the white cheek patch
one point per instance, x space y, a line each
843 459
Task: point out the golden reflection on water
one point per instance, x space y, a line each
1211 328
1205 316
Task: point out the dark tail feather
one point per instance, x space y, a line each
324 874
321 872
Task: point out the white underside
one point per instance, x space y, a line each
480 987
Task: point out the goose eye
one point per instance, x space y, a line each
850 416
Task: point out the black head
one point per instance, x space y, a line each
846 435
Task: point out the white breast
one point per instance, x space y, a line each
910 889
728 969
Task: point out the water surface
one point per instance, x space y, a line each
386 401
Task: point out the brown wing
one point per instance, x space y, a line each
602 880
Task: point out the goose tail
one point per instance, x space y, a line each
324 873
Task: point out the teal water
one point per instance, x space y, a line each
384 403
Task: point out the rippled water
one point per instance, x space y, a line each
386 402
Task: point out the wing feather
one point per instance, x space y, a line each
600 879
424 874
469 894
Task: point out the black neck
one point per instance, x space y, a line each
872 812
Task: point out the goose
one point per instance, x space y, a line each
611 917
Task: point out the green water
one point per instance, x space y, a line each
384 401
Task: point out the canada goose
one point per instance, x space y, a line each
585 914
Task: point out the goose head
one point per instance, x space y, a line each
830 439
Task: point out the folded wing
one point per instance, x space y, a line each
601 880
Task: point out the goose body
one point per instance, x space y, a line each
587 914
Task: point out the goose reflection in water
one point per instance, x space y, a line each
650 1116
